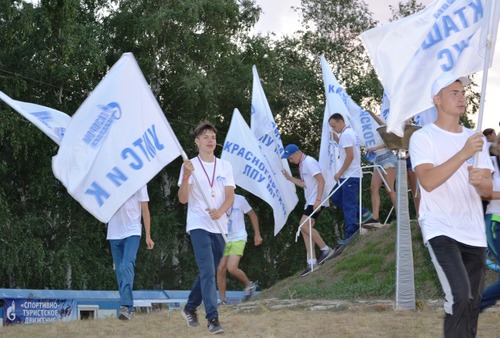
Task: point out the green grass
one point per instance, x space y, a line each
365 270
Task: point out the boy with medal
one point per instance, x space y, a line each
204 221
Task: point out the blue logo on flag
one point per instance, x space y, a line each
99 130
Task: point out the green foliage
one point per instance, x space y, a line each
405 9
197 57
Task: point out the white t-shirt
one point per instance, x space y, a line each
494 205
308 168
126 221
348 138
197 215
236 230
454 208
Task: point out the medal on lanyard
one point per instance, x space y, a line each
211 183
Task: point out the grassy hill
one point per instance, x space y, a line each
365 270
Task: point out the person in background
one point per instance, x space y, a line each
492 220
413 182
206 224
313 183
124 235
490 135
235 246
387 160
348 177
450 215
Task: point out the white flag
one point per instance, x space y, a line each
421 119
52 122
338 101
385 107
116 142
252 171
411 53
328 151
265 130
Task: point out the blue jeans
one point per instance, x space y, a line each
124 252
492 293
208 250
347 199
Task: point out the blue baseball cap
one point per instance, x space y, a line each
289 150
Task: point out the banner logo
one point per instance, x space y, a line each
99 130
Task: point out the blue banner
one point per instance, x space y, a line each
35 311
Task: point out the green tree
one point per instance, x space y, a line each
45 233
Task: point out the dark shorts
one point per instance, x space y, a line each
408 164
308 211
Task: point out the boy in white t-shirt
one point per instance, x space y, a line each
450 214
235 246
206 178
313 183
348 176
124 235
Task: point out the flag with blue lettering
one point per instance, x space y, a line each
253 171
421 119
338 101
410 54
385 107
116 142
328 154
50 121
266 131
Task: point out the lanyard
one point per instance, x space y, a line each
206 174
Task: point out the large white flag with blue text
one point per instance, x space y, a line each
421 119
338 101
410 54
116 142
252 170
266 131
52 122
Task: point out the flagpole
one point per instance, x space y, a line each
207 201
486 67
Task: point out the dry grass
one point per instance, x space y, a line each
356 321
350 319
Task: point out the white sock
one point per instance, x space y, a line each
311 261
326 248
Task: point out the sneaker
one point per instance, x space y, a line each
371 221
214 326
125 313
190 317
222 302
309 269
492 265
248 291
341 241
366 217
325 255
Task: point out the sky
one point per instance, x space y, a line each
280 18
